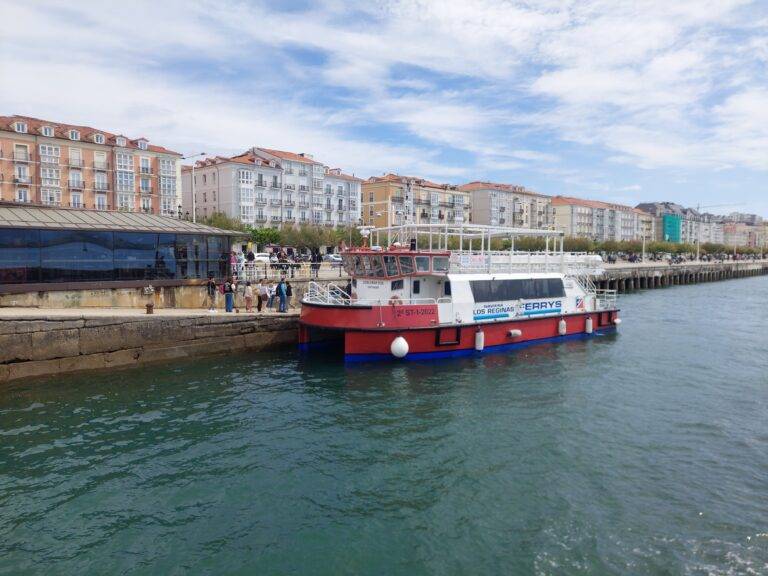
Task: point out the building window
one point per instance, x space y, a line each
22 195
166 206
47 131
101 202
142 145
125 181
167 167
74 135
167 185
245 177
20 127
120 141
146 186
146 204
205 179
145 165
76 200
124 202
49 154
98 138
125 162
51 197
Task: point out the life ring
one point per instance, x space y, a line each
395 301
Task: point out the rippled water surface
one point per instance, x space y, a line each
640 453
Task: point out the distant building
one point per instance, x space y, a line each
56 164
674 223
509 205
600 221
394 200
266 187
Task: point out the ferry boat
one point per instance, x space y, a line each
440 290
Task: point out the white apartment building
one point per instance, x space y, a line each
600 221
509 205
266 187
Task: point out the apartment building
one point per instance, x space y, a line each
743 234
600 221
675 223
45 162
394 200
266 187
496 204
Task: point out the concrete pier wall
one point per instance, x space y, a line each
33 346
645 277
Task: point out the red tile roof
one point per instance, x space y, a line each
481 185
401 179
35 126
337 173
289 155
569 200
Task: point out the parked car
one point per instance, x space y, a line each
333 259
261 257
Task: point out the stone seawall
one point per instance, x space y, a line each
32 346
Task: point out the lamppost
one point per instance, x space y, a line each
194 192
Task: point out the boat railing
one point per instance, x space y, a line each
488 262
332 295
329 294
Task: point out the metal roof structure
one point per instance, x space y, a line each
51 218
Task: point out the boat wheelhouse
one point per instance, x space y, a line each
447 290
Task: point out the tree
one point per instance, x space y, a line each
221 220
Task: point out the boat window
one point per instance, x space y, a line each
349 264
397 285
440 263
447 288
366 266
390 263
422 263
377 267
417 286
406 264
526 289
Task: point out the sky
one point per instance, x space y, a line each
629 102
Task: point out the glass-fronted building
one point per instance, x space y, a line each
53 246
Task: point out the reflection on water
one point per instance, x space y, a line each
644 452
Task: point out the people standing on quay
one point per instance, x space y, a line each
248 297
229 295
211 290
263 294
282 294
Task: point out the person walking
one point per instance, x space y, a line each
211 290
229 295
282 294
248 297
262 293
289 294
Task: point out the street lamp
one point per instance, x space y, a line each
194 192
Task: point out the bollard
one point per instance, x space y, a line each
150 308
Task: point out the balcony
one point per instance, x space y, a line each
51 202
328 192
260 200
290 218
76 162
302 172
275 218
146 190
49 160
146 170
261 184
289 170
98 206
260 218
21 156
101 186
274 201
303 188
76 204
398 198
21 179
328 224
303 204
76 184
275 186
289 203
100 165
290 187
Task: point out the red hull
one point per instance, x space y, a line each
363 340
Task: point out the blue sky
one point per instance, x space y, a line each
622 101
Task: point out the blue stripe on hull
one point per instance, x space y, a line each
472 351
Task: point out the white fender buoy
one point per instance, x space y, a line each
617 321
399 347
515 333
588 325
479 340
562 327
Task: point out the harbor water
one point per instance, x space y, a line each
644 452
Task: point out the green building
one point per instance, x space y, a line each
671 225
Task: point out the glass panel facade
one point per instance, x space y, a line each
30 256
